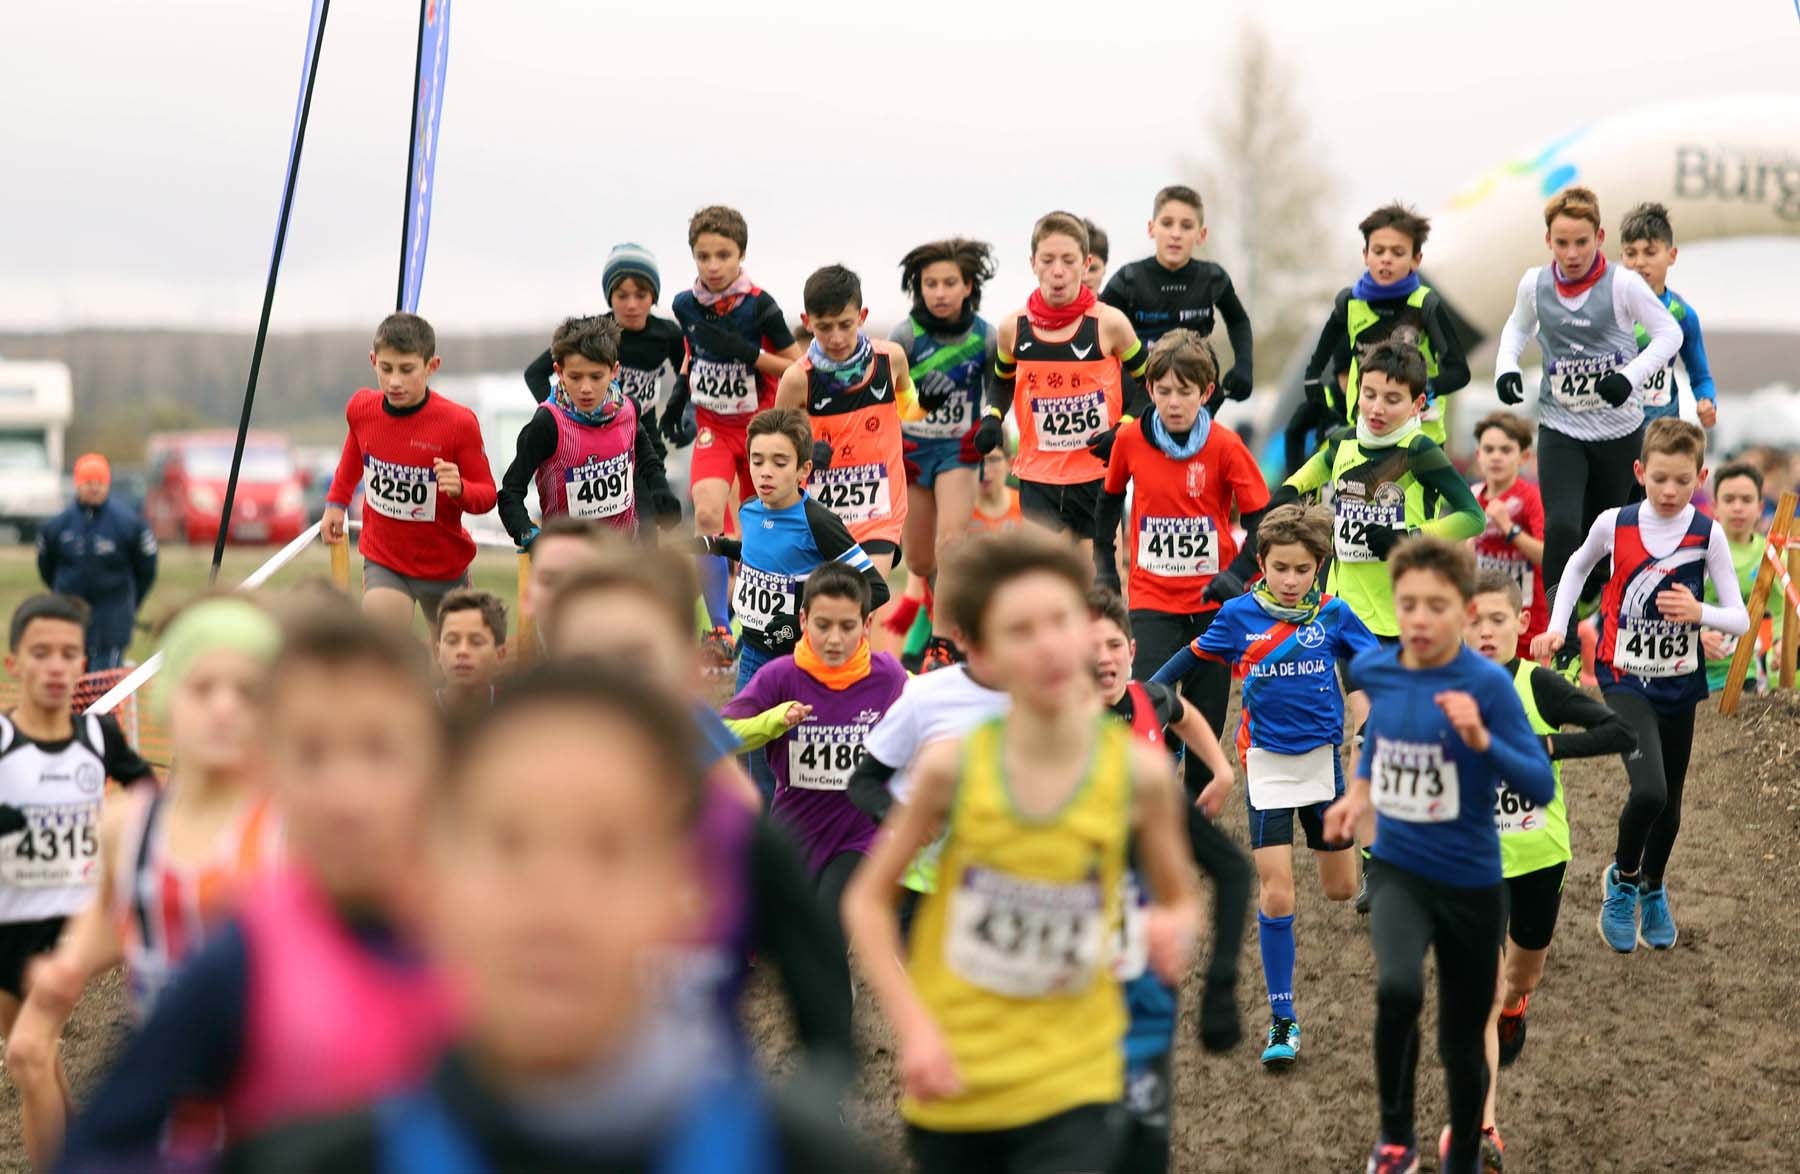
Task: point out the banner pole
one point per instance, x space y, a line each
412 154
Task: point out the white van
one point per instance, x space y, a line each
35 405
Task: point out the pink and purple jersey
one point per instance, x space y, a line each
590 475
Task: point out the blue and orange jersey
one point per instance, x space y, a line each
1639 649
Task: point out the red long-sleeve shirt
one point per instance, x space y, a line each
408 526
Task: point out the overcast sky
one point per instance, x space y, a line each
142 144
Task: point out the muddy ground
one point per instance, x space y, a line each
1677 1061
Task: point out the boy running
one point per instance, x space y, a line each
1099 253
1009 1024
1737 503
1513 543
996 502
470 649
422 465
1649 662
1445 729
1648 249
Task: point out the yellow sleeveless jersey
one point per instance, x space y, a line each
1012 952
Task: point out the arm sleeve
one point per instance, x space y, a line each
836 545
1354 637
868 788
1335 331
1237 329
479 491
757 730
776 334
143 559
807 947
1167 702
123 765
1107 516
1635 303
1117 293
1601 731
1596 546
647 459
537 443
349 470
1729 615
1316 472
1214 644
1453 364
1521 327
1513 747
1693 357
537 376
1460 516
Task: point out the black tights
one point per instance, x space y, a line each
833 879
1658 771
1580 480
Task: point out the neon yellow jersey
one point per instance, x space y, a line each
1532 838
1011 954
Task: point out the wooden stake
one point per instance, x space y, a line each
1759 599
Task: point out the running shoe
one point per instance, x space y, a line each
1657 928
1512 1032
1220 1025
1393 1159
1493 1151
939 654
718 650
1362 888
1619 911
1284 1044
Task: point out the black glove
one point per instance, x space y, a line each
666 507
719 546
1511 389
1315 393
1383 539
1102 445
11 820
1224 587
990 434
675 427
821 455
525 541
1236 386
935 389
720 341
1614 388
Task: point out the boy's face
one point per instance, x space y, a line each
1037 643
467 653
401 376
50 658
835 627
1669 480
943 288
1738 505
1386 403
996 467
1499 457
1389 255
718 260
836 332
1650 260
216 713
1177 232
1432 616
559 806
1113 653
1494 626
1059 263
777 470
553 560
356 749
1093 275
622 626
630 303
1289 569
1177 402
1574 244
586 381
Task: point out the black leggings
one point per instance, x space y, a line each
1580 480
1408 914
1658 771
1229 869
1160 635
833 879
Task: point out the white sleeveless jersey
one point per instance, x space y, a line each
50 868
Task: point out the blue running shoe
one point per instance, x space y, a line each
1284 1044
1658 926
1619 911
1393 1159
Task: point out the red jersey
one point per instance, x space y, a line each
408 526
1494 552
1180 526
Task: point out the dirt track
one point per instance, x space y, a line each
1678 1061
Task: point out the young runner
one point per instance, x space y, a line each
841 690
1170 289
470 649
1058 364
586 448
1388 303
315 995
996 502
1010 1027
1513 543
1445 727
171 861
567 1062
1584 314
1534 839
647 344
563 544
1737 503
1099 253
1285 641
420 459
739 344
1648 249
1664 555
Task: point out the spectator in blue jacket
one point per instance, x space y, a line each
101 551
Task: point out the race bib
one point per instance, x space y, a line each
1068 423
1354 521
1514 813
1178 548
1574 383
1515 567
760 597
405 492
59 847
1131 948
641 386
1659 387
820 758
1656 648
855 493
726 388
1025 938
600 488
1415 781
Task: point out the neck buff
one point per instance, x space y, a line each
1174 450
843 372
726 299
931 324
808 661
1301 613
604 412
1367 289
1365 436
1044 316
230 624
1570 289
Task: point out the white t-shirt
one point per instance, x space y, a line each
933 706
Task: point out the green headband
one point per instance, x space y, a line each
234 624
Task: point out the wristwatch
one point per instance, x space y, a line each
1512 535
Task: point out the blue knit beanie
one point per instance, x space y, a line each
629 260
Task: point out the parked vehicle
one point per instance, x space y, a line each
188 474
35 403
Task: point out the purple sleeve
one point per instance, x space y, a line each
762 693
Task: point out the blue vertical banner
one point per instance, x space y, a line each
434 53
315 31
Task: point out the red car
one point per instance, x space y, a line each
188 472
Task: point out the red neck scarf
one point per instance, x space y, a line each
1044 316
1574 289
